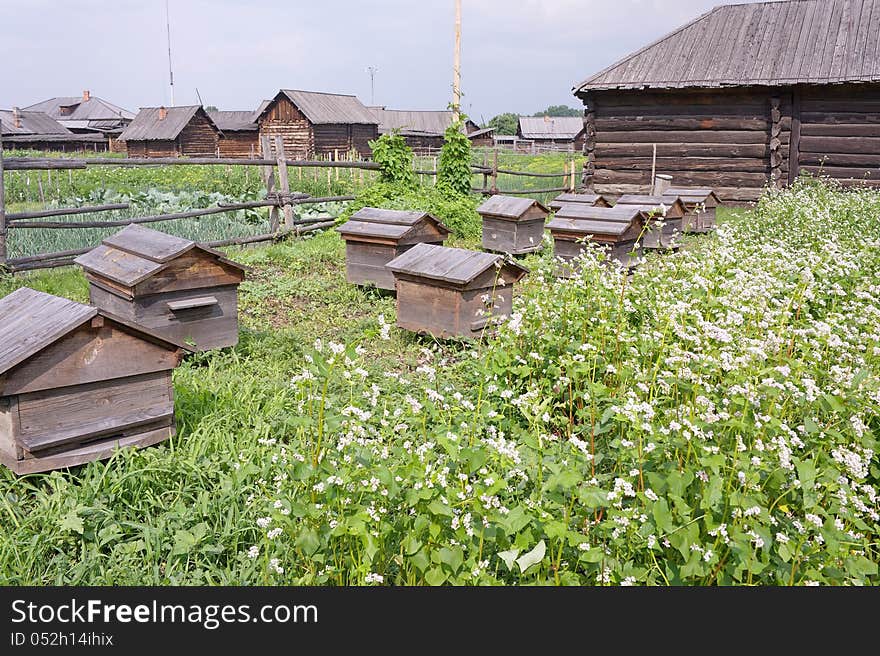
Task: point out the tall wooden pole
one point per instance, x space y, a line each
3 228
456 66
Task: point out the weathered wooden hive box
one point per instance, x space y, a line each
670 210
373 237
76 383
513 225
701 205
452 292
617 229
586 199
175 287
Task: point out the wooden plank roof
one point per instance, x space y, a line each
588 226
326 108
30 123
692 195
135 253
586 199
763 44
509 207
234 121
454 265
149 126
582 211
81 109
550 127
32 320
418 122
386 224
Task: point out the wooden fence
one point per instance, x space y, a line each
279 199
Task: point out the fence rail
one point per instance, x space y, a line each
273 171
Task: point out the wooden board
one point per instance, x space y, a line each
89 354
515 238
196 269
53 418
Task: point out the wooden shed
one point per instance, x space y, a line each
744 96
617 229
311 123
175 287
565 133
670 210
373 237
423 130
513 225
587 199
172 132
77 383
452 292
39 131
241 134
701 206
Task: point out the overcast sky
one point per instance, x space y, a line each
517 55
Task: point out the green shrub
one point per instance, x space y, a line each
454 170
396 158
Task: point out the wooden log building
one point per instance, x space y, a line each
241 134
175 287
452 292
77 383
38 131
566 133
513 225
616 229
424 130
172 132
88 114
312 124
744 96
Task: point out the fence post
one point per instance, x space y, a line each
3 229
494 189
485 173
268 175
285 182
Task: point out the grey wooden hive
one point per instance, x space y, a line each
77 383
176 287
513 225
373 237
617 229
701 205
452 292
667 208
586 199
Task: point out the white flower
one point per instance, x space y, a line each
253 552
372 577
274 533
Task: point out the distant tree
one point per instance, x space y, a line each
506 123
560 110
211 108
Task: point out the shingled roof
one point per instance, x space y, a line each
84 112
234 121
550 127
148 126
30 123
763 44
325 108
417 122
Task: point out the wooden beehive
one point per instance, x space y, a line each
373 237
701 205
513 225
451 292
616 229
666 209
178 288
586 199
76 383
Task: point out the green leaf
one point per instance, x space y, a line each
509 557
308 541
435 576
533 557
411 545
662 515
184 541
72 522
452 556
516 520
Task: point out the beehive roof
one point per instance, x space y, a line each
386 224
586 199
589 226
33 320
135 253
453 265
694 195
582 211
509 207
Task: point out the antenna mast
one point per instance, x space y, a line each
456 67
372 70
168 31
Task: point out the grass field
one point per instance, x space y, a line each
710 420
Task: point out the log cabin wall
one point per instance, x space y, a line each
361 136
716 138
839 131
283 119
243 144
331 138
199 138
152 148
